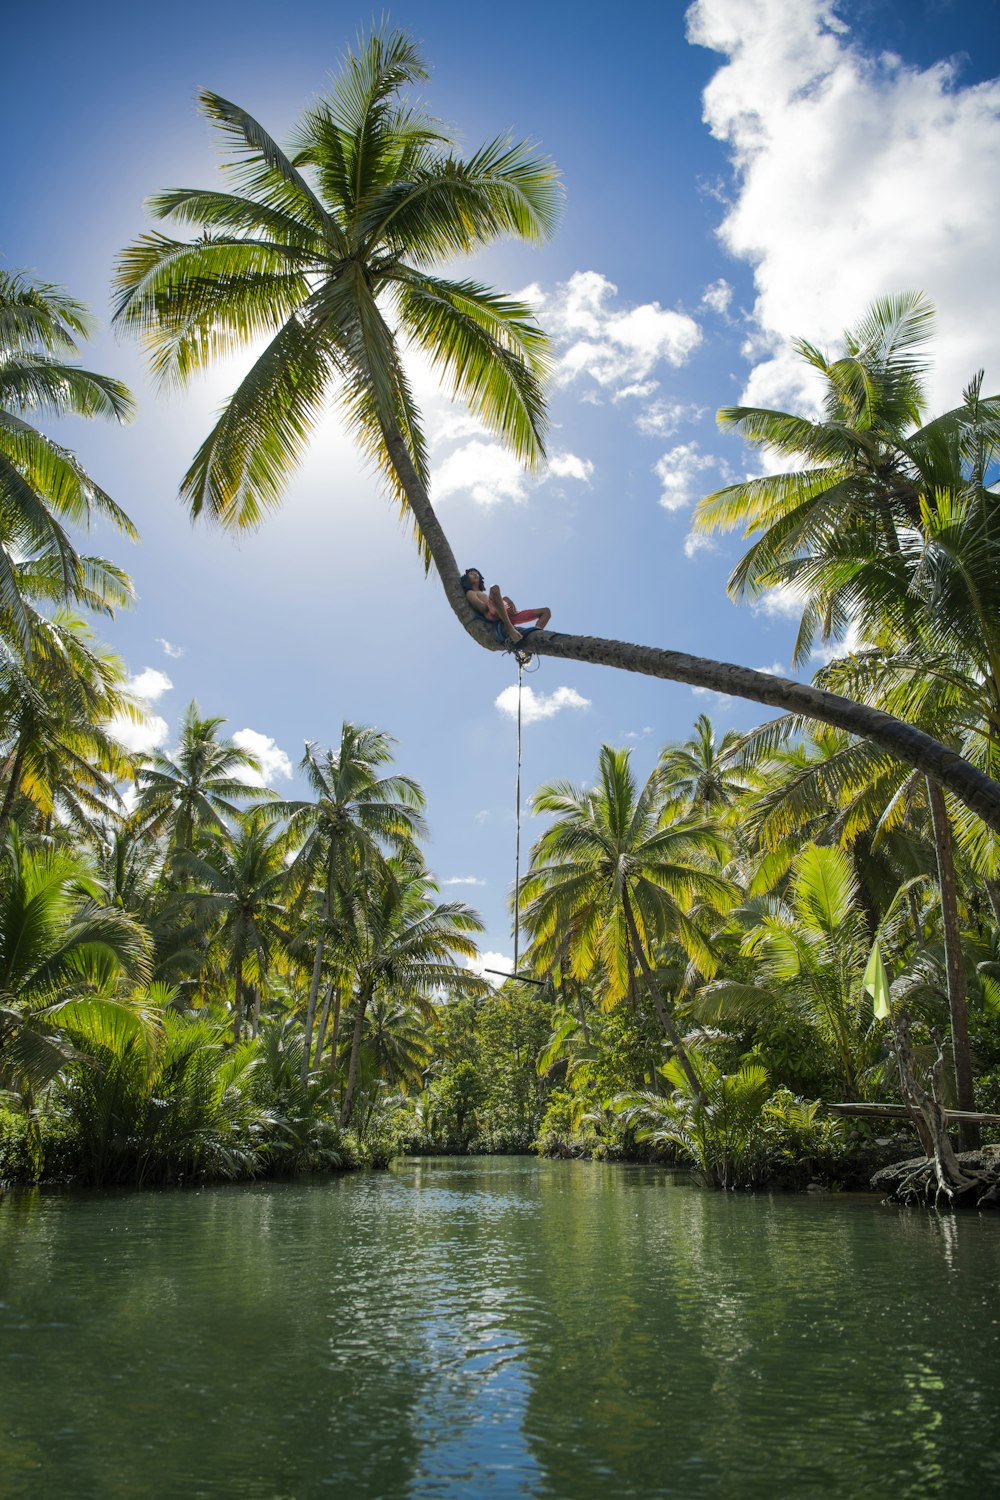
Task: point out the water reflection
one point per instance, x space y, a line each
494 1328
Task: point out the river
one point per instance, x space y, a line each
495 1327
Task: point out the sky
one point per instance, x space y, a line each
736 174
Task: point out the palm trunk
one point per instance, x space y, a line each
10 792
335 1043
666 1019
311 1007
256 1011
323 1019
238 1001
957 996
364 995
909 744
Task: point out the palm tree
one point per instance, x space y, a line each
405 943
701 772
43 485
356 815
242 878
312 250
620 867
810 954
893 527
194 790
396 1040
55 706
64 955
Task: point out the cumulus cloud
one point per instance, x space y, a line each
169 649
535 706
697 541
568 466
662 418
615 347
678 472
463 880
274 763
717 296
151 732
490 475
783 601
856 176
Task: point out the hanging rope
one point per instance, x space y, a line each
517 821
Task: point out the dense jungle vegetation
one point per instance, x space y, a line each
200 979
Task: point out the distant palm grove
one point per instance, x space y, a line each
202 980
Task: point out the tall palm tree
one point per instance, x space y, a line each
701 772
322 249
195 789
358 813
621 867
406 943
42 485
242 878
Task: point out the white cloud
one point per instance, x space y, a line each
616 347
661 418
140 738
169 649
535 706
717 296
568 466
491 475
697 541
783 601
774 670
274 763
678 472
857 176
149 684
501 961
640 390
464 880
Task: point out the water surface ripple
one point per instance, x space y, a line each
495 1327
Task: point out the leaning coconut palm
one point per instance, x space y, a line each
42 485
621 868
323 250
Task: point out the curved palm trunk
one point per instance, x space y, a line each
957 993
665 1018
909 744
364 995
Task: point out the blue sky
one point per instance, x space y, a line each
736 173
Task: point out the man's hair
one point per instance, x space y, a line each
466 579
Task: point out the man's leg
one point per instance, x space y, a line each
509 629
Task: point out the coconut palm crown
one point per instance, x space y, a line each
326 251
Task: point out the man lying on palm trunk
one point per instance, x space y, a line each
499 610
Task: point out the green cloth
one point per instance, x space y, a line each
876 982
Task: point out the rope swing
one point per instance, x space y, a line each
522 978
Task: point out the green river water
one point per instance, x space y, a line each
495 1327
